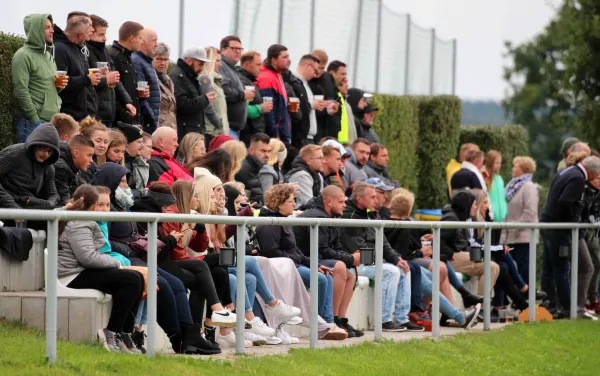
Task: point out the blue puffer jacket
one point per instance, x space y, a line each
150 106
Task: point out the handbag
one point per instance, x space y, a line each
141 245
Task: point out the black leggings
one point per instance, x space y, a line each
126 288
220 276
506 283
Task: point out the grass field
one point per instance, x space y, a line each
557 348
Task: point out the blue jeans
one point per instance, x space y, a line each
506 262
416 295
520 253
396 291
556 268
452 277
235 134
325 292
255 283
24 127
141 317
182 303
445 306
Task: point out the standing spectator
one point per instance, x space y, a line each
305 173
110 87
258 156
495 185
364 114
191 103
324 84
65 125
565 150
359 155
163 165
469 175
35 94
563 204
75 157
271 85
211 80
168 106
130 41
142 59
522 196
270 173
377 166
304 132
454 165
70 57
248 71
347 132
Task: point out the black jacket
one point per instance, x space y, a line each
330 247
279 241
465 178
16 242
405 241
24 182
189 98
565 197
375 171
107 97
300 124
327 125
133 171
147 204
121 58
355 238
65 175
249 175
252 126
455 240
69 57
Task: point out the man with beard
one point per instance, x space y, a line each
359 155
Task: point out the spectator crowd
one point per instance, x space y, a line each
226 131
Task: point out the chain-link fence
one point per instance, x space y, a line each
385 51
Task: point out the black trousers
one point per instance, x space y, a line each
220 276
126 288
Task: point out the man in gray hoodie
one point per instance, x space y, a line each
354 168
305 172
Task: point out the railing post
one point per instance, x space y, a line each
532 273
574 270
378 282
314 284
240 301
487 265
152 281
51 291
435 281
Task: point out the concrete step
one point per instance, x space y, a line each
24 275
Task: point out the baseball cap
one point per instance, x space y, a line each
195 53
370 108
337 145
379 183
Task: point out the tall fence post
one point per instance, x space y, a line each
313 12
487 285
357 45
314 283
182 23
574 270
454 55
280 24
236 19
532 273
240 301
51 291
435 281
152 281
378 283
378 46
432 67
407 55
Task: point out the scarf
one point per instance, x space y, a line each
124 198
515 185
471 167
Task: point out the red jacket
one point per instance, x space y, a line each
164 167
199 242
278 122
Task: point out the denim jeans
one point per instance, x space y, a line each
24 127
556 268
396 291
452 277
416 294
445 306
520 253
182 304
235 134
141 317
255 283
325 292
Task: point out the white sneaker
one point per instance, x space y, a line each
256 339
589 316
228 340
273 340
283 310
260 328
286 339
224 318
296 320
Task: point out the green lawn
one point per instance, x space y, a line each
557 348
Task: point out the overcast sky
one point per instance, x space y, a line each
480 26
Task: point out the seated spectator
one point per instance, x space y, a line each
163 165
137 179
238 152
258 156
334 162
142 60
26 171
191 146
305 173
396 286
453 166
98 133
354 168
217 162
146 152
469 176
75 158
115 151
65 125
331 204
377 166
279 241
271 174
384 197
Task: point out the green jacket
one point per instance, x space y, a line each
498 199
33 71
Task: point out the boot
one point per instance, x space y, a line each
193 343
175 340
469 299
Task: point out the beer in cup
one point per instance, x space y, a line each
319 97
294 105
249 87
93 71
141 88
103 66
60 79
267 99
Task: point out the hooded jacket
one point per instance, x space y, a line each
374 171
150 106
364 131
237 109
310 183
330 246
405 241
137 179
355 238
456 240
66 177
249 175
33 69
24 182
164 167
215 114
327 125
269 176
121 58
253 124
278 123
71 58
279 241
353 171
190 101
107 97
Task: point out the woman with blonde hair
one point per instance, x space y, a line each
495 184
271 174
238 152
115 151
191 146
98 133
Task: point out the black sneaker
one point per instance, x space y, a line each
390 326
138 340
411 327
471 316
210 334
128 343
346 325
472 299
340 323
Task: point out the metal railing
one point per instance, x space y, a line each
53 218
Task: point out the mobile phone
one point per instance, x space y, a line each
511 249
